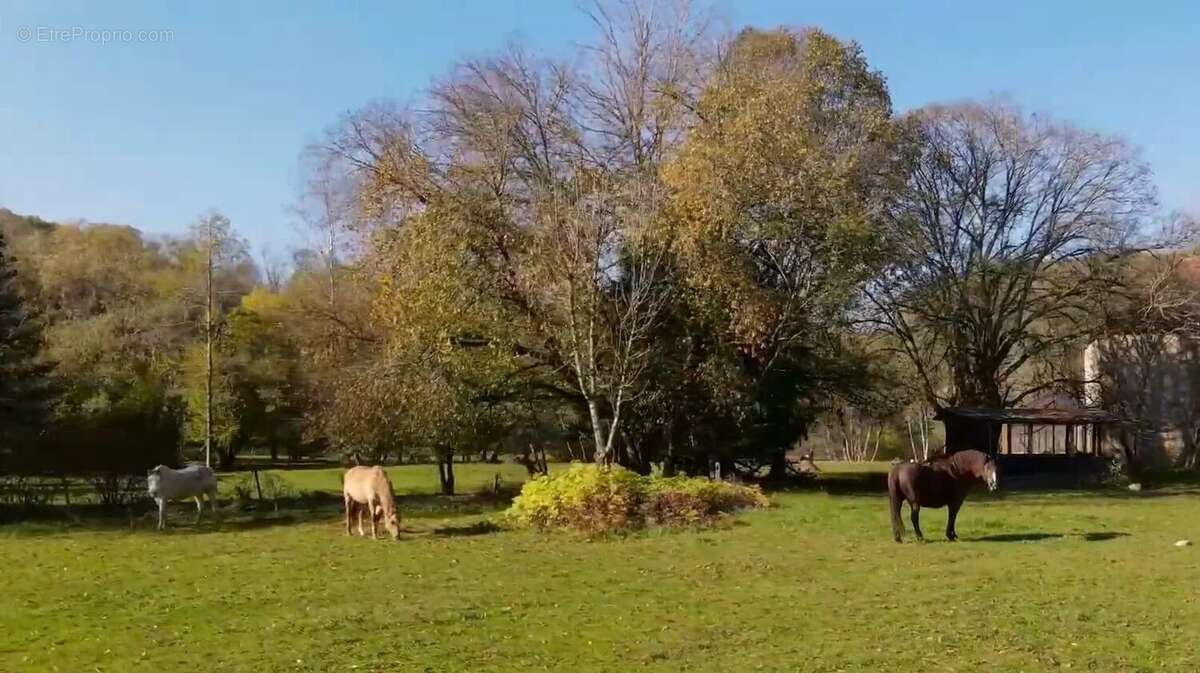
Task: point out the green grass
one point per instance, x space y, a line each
1039 582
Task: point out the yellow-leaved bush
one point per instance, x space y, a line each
592 498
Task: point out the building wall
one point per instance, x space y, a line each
1154 380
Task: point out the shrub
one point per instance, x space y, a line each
590 498
690 500
584 497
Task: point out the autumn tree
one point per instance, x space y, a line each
1008 233
121 315
531 164
777 195
113 328
599 289
448 371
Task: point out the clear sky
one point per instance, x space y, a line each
214 114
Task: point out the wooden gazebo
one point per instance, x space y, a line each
1031 440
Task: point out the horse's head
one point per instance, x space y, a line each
152 478
990 476
390 519
391 522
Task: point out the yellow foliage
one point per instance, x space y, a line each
772 192
268 305
592 498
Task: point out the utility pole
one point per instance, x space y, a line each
208 347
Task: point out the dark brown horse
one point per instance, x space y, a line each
941 482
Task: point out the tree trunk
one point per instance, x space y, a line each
601 455
446 473
779 466
208 352
634 459
226 459
534 460
526 459
669 468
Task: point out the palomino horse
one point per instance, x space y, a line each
367 489
942 482
165 484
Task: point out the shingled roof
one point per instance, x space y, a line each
1080 416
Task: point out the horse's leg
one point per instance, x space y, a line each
897 523
359 508
349 508
953 506
374 521
916 520
895 502
199 508
162 513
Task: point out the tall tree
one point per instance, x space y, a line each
24 375
1006 234
512 154
218 254
776 198
603 290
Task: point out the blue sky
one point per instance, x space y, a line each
154 133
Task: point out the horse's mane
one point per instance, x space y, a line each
387 497
969 461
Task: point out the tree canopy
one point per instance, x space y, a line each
673 246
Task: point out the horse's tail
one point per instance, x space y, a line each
895 500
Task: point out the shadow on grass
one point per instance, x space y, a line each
861 483
1019 537
1103 536
471 530
240 516
1099 536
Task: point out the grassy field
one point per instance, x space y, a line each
1039 582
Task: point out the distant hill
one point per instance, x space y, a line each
18 226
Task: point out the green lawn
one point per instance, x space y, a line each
1039 582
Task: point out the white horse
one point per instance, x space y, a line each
367 490
192 481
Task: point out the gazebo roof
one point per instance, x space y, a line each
1043 416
